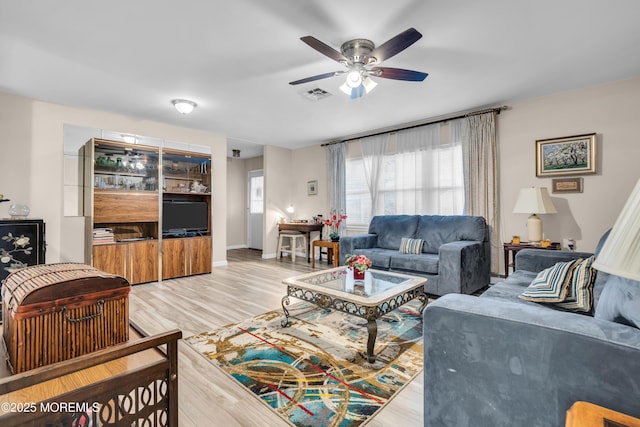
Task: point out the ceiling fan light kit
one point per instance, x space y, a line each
360 57
184 106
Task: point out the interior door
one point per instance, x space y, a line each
256 208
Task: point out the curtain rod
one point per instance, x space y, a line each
497 110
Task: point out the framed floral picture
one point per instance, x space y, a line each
571 155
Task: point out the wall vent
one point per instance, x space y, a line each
315 94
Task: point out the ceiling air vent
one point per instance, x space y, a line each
315 94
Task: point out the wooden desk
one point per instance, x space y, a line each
304 227
510 248
583 414
333 250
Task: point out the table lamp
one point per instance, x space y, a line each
534 200
620 255
290 211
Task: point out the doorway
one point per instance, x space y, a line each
256 208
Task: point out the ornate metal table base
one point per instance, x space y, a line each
370 313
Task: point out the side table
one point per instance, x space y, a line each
333 250
583 414
511 248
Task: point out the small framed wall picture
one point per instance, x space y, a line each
312 187
566 185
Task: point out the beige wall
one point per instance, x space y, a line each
237 186
15 151
309 164
31 165
287 173
611 111
278 184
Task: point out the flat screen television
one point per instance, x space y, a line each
179 217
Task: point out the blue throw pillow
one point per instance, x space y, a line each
620 301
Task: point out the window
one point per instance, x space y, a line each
426 182
256 188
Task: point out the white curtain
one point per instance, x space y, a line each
480 159
373 151
428 173
336 158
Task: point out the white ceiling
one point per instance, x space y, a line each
235 59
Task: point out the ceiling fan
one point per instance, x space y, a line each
361 58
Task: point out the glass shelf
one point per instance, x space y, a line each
185 173
126 168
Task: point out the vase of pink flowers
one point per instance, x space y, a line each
358 264
333 222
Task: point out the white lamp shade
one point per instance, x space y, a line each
354 79
620 255
534 200
369 84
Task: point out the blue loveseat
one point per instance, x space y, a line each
455 257
497 360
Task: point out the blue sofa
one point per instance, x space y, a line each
497 360
456 256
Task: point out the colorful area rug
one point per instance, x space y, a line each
314 372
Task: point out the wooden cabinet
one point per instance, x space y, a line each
174 258
186 214
139 199
200 255
142 261
122 202
125 207
136 261
110 258
186 256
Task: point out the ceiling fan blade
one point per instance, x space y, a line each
318 77
324 49
393 46
398 74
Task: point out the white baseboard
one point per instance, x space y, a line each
220 263
237 247
298 255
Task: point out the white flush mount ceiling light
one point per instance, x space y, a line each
184 106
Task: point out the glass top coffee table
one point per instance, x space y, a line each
370 299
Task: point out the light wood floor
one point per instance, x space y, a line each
246 287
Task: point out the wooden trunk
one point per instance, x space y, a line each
55 312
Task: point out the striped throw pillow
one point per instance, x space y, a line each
551 284
411 246
580 290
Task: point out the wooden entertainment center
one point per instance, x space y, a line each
148 210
